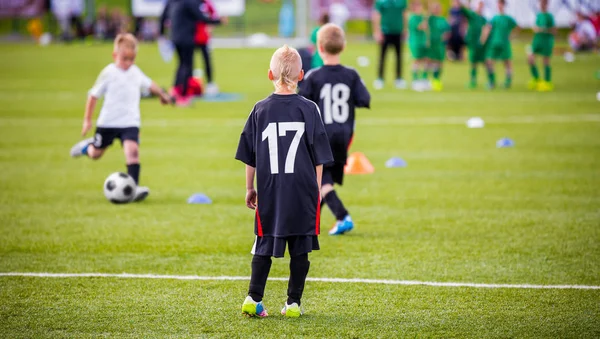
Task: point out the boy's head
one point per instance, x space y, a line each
323 19
285 69
417 7
125 50
435 8
544 5
501 5
331 40
480 5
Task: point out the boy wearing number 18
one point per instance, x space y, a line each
285 145
338 90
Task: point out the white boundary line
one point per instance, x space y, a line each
329 280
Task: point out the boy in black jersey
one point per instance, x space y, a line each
338 90
285 145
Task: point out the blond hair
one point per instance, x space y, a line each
125 41
332 38
286 66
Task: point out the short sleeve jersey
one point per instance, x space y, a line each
502 25
284 139
338 91
476 24
316 61
438 26
545 21
121 91
392 15
416 36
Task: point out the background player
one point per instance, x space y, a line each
285 145
473 39
439 32
338 91
388 27
496 36
417 42
542 45
121 84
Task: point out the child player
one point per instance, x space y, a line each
417 42
543 44
284 143
120 83
496 36
439 32
338 91
473 39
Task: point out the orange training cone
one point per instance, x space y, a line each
358 164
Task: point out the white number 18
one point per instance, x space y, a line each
270 134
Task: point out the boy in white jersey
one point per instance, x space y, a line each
121 84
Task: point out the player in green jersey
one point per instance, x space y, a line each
316 60
496 37
418 44
473 39
439 32
543 44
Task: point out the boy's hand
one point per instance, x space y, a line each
378 36
87 125
165 99
251 198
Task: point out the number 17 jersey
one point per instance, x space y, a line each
338 90
284 139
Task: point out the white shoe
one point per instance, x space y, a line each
378 84
417 86
426 85
141 193
76 150
212 89
400 84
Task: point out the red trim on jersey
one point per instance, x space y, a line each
318 223
259 224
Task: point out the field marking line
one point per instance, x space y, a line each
329 280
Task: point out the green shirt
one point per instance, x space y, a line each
438 26
392 15
416 36
476 24
316 58
545 21
502 25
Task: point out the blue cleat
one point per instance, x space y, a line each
342 226
251 308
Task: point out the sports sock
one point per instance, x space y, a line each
299 266
335 205
534 71
425 74
261 265
508 80
134 171
437 72
491 77
548 73
473 74
415 73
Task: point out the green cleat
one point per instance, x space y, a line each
251 308
291 311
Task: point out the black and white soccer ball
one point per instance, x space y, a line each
119 188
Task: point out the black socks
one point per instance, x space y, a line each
299 266
336 205
261 265
134 171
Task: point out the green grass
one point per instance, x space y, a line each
462 211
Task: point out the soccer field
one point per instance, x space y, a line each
462 211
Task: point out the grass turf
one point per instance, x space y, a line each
461 211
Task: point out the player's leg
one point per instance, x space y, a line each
299 267
547 84
331 175
397 42
535 75
378 84
436 70
184 72
93 147
261 265
130 139
211 87
508 78
490 73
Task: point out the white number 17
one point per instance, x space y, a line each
270 134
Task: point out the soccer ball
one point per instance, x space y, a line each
119 188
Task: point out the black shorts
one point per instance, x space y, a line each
333 174
105 136
275 247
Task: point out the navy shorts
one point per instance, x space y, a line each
333 174
105 136
275 247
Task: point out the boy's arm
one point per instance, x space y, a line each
194 9
319 170
376 23
90 105
362 98
485 33
250 191
164 97
163 18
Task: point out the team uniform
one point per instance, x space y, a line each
316 60
120 114
392 27
498 44
338 90
438 27
543 45
417 39
284 139
473 40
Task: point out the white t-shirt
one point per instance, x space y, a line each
586 29
121 90
339 14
